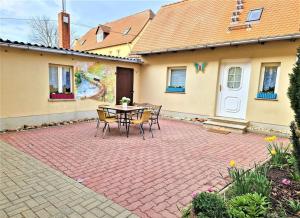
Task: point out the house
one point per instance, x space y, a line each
46 84
115 38
227 61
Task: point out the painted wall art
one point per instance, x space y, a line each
95 81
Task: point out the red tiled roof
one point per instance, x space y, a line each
135 22
200 22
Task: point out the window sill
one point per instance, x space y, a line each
176 92
59 100
267 99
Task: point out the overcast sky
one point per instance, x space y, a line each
83 12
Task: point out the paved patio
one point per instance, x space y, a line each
147 177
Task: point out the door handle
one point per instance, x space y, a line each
220 87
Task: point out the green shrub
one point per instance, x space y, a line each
295 139
294 206
209 205
294 95
247 181
294 89
248 205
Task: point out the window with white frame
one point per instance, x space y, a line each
177 77
60 79
269 77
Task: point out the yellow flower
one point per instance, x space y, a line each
232 163
271 139
273 151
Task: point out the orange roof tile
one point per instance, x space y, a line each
135 22
200 22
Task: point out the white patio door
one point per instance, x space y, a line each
233 90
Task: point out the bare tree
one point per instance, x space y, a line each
44 31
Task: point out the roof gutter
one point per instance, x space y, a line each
222 44
68 52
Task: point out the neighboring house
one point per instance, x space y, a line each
224 60
42 84
115 38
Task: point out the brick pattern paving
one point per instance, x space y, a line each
30 188
147 177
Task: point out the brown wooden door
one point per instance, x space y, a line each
124 84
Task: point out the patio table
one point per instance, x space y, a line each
123 110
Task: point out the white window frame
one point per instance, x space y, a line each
262 75
59 77
256 9
170 72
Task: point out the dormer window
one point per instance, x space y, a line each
101 36
102 32
126 31
254 15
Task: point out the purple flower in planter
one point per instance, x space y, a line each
194 194
286 181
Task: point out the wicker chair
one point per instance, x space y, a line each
155 111
145 118
102 117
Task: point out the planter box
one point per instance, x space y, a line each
264 95
173 89
62 96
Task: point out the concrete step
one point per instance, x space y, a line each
237 128
229 120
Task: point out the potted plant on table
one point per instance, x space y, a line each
125 101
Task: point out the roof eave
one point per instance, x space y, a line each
221 44
67 52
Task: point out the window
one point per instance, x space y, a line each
254 15
234 78
101 36
176 79
269 78
53 79
60 81
126 31
83 41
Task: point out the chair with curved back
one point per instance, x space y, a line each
145 118
102 117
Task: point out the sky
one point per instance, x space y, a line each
84 14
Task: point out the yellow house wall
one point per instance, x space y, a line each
124 50
25 83
202 88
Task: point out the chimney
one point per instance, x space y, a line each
64 28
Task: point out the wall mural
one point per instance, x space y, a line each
95 81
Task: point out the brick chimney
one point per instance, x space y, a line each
64 30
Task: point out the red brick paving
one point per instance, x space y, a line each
147 177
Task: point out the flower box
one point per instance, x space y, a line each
61 96
175 89
264 95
